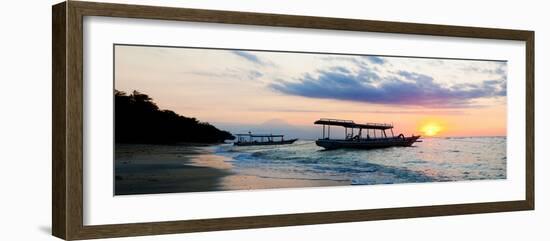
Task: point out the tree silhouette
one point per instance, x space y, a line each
139 120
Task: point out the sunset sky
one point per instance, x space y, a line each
281 92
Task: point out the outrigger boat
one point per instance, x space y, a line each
359 140
259 140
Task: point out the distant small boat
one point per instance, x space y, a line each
360 140
261 140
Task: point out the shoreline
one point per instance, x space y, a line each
152 169
149 169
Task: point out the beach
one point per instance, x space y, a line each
145 169
148 169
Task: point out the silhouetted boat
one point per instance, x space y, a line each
261 139
360 141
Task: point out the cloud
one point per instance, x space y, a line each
248 56
231 73
416 112
402 88
359 60
500 69
252 58
375 59
410 111
254 74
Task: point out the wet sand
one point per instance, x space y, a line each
145 169
148 169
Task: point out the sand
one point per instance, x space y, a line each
148 169
145 169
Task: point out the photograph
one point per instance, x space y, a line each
190 119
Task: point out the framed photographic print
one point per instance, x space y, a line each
171 120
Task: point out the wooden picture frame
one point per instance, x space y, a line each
67 152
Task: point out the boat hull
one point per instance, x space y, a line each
367 144
266 143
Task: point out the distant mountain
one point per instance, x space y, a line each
139 120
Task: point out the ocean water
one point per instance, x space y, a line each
433 160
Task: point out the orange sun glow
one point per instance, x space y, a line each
431 128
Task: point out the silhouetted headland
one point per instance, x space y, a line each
139 120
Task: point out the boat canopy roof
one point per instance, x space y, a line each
259 135
351 124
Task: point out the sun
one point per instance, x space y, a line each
431 128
